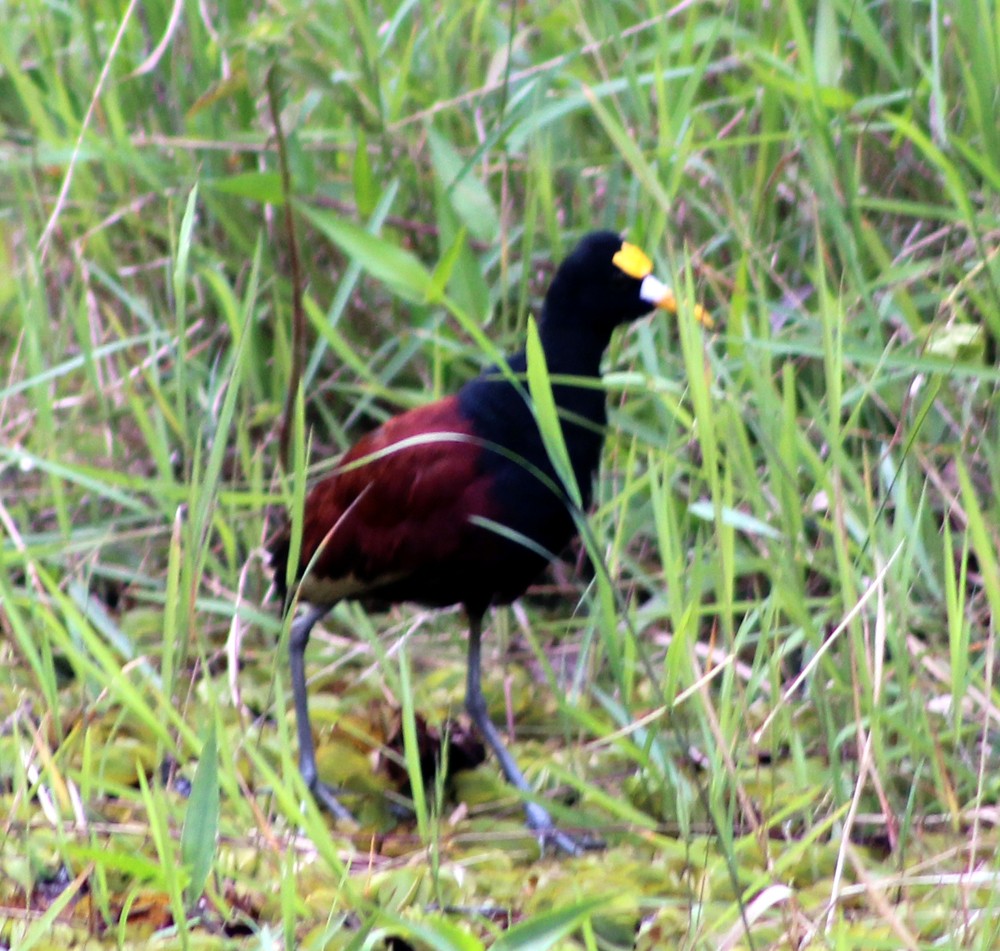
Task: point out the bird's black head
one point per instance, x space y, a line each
606 282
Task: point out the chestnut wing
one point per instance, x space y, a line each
400 501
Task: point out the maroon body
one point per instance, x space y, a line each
411 515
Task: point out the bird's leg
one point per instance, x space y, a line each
539 820
298 638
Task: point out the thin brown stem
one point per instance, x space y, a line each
298 312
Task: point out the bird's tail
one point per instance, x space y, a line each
278 549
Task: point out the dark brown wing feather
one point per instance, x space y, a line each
400 501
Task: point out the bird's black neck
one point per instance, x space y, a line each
574 351
571 349
500 415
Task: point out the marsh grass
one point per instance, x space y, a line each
767 680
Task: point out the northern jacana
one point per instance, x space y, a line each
457 502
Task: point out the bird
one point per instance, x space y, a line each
458 502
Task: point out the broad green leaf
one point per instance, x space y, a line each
955 341
542 932
468 195
741 521
384 260
365 187
826 48
983 539
264 187
446 268
436 931
465 282
547 415
201 823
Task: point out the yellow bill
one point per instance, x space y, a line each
655 292
635 263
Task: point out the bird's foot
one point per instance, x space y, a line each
327 799
550 835
568 844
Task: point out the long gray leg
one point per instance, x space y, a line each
539 820
298 639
